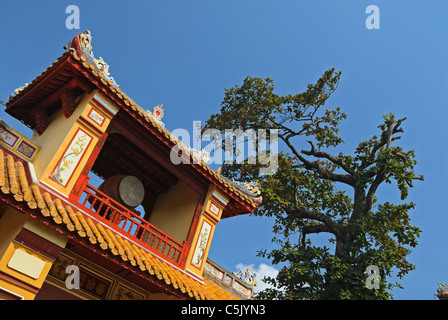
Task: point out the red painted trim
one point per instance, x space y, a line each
36 83
38 244
102 108
139 223
16 137
106 90
192 230
18 282
83 177
89 125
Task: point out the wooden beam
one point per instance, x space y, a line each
71 85
130 168
155 149
124 145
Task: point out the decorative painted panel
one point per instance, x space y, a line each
96 117
214 209
228 280
218 274
201 244
26 264
94 284
124 293
8 137
71 158
60 266
17 143
26 149
240 288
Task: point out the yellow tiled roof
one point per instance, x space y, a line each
13 181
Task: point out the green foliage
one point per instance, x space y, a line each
305 196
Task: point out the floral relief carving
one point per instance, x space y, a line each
201 245
71 158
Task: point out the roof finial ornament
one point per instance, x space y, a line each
252 187
443 288
85 41
157 114
248 277
18 90
82 44
103 66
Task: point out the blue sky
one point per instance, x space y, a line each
182 54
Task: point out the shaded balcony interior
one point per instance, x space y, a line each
163 217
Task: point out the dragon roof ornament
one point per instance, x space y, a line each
248 277
18 90
250 189
82 44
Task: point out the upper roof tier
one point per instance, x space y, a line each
78 71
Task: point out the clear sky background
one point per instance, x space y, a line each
183 54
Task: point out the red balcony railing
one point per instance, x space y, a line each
128 222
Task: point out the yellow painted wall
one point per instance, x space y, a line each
55 161
51 139
173 211
22 270
26 261
15 290
11 223
59 135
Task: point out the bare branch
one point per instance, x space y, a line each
316 228
321 154
302 213
323 172
397 126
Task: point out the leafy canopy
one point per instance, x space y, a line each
318 191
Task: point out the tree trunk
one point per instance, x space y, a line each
333 287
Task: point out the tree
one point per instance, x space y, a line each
320 190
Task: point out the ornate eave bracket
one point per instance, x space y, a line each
41 120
